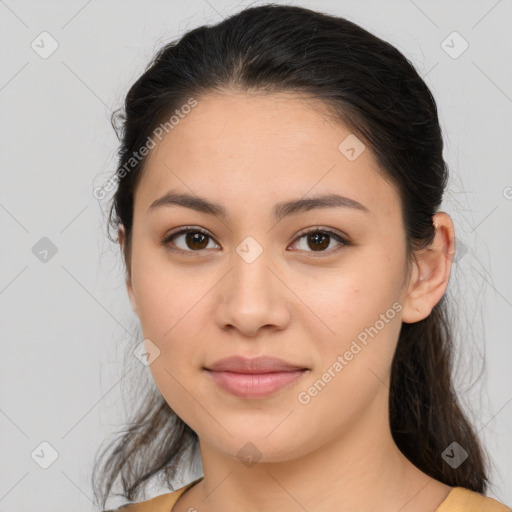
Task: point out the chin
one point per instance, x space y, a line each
256 445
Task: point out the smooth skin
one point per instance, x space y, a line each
296 301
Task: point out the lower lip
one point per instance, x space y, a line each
254 385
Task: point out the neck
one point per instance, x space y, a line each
362 470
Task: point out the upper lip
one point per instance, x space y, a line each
262 364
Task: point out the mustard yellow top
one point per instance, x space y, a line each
458 500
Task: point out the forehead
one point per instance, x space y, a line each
234 148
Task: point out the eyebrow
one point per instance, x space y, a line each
279 212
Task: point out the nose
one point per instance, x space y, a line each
252 296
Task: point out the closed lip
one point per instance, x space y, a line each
257 365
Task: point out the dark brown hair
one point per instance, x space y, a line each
367 85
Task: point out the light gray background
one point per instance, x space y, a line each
67 323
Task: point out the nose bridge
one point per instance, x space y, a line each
252 296
251 262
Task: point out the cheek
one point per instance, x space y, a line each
354 362
354 295
171 306
164 294
361 309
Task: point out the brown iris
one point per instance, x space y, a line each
319 241
193 238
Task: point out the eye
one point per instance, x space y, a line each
319 239
195 240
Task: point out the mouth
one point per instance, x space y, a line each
254 378
253 386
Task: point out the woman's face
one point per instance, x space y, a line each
256 285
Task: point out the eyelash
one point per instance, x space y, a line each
190 229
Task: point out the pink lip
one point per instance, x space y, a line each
261 364
254 378
254 385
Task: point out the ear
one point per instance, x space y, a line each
121 236
431 271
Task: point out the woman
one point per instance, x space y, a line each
277 206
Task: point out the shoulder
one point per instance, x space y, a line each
464 500
162 503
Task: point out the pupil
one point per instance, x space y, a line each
194 238
316 237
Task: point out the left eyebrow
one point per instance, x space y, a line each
279 212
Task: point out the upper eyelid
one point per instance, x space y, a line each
303 232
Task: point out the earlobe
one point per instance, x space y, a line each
412 309
431 272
